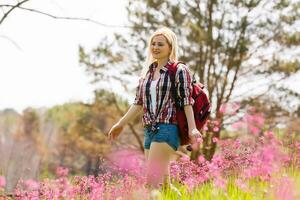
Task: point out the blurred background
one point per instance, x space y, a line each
69 70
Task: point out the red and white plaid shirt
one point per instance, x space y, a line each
165 106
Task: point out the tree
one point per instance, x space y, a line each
225 43
25 152
80 139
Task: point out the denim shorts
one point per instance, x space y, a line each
167 133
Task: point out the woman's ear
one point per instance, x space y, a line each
170 49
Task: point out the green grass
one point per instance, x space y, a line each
206 191
257 189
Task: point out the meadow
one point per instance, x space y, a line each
253 167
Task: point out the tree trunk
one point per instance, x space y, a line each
88 167
213 146
97 164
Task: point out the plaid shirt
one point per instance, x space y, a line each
165 106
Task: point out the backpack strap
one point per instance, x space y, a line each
172 73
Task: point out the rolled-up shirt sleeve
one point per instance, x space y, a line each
138 96
184 85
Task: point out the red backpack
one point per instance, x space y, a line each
201 106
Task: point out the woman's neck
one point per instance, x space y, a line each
162 62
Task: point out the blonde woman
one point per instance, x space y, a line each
154 100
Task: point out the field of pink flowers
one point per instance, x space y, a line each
253 168
257 164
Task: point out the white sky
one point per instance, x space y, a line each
44 69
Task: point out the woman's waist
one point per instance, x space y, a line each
159 124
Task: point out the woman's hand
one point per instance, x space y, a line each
133 111
194 133
115 131
195 137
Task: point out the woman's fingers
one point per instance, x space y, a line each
196 139
196 133
114 132
110 133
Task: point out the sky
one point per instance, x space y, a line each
39 64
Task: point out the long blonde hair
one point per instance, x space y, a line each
171 40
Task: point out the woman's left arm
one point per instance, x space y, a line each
184 91
189 113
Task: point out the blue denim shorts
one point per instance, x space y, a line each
167 133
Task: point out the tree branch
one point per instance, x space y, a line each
11 9
210 40
233 81
68 18
258 86
11 41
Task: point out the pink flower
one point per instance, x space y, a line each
190 182
269 134
62 171
2 182
128 160
259 120
201 159
216 129
223 108
284 189
220 183
248 118
254 130
215 139
241 184
237 144
32 184
185 158
237 125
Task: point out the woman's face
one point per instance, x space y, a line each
160 49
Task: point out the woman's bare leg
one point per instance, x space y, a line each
146 151
159 157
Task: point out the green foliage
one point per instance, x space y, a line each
64 115
9 117
31 121
80 138
286 68
107 98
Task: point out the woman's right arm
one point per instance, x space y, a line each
133 111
